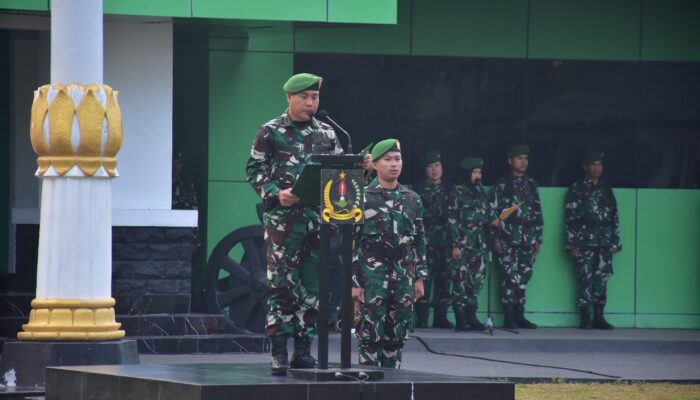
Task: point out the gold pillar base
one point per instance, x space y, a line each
72 319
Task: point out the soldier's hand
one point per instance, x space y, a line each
574 253
497 246
456 253
358 294
367 162
536 248
287 198
418 290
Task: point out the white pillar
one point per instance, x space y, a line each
76 131
76 41
75 239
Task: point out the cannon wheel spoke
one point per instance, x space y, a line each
237 289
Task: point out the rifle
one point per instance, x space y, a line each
506 213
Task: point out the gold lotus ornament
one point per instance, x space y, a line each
76 125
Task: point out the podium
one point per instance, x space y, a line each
339 190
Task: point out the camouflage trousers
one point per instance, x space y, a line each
437 284
593 269
384 318
467 277
516 270
293 250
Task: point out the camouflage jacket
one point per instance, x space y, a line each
524 227
469 216
436 198
184 195
281 150
393 220
591 216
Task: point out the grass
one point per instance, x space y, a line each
607 391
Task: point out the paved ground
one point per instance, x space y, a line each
538 355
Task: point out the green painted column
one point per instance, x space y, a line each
5 143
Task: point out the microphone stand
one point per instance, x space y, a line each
323 114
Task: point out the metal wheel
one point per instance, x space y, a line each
236 284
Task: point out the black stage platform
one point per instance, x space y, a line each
253 381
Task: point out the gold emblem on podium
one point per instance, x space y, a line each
344 205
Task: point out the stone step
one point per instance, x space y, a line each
209 344
153 304
15 304
173 324
10 326
19 304
194 344
146 325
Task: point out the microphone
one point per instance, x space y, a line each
322 114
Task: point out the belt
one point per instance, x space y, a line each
384 251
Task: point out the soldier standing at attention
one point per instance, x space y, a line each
388 266
184 195
592 237
469 220
518 237
281 149
435 193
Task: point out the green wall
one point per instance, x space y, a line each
5 143
659 267
340 11
563 29
190 130
668 258
245 91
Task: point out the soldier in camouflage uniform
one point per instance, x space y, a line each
468 220
592 237
435 194
517 238
184 195
281 149
389 261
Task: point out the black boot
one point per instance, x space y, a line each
474 324
585 317
460 318
302 357
422 314
520 319
599 321
440 317
280 362
509 317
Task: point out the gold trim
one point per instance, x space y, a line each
72 319
91 152
329 212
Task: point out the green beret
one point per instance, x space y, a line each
384 147
592 156
431 157
471 163
518 150
300 82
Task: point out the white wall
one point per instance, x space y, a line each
138 62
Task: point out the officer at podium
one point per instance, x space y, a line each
281 149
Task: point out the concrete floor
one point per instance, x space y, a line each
535 355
